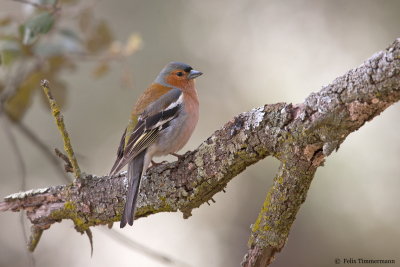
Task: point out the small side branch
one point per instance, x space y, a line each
61 127
272 227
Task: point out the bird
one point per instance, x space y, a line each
161 123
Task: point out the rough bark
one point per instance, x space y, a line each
301 136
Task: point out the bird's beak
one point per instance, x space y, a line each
194 74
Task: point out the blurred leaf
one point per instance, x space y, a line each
10 51
70 34
7 57
38 24
133 44
85 19
101 69
58 63
21 30
48 49
115 48
69 43
99 38
17 104
5 21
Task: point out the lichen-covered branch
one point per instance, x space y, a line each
271 229
316 128
301 136
55 110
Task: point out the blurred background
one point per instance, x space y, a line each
251 53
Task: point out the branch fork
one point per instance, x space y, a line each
301 136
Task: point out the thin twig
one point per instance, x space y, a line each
68 166
61 127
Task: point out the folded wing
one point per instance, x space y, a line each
156 117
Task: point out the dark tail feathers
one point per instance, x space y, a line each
135 168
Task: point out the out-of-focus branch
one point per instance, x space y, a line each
22 169
151 253
25 130
300 136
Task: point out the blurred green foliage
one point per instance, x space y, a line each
46 39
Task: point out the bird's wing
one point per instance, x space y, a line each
120 151
156 117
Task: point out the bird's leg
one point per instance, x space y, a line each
178 156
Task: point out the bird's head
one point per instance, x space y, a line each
178 74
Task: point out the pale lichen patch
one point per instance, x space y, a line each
25 194
254 118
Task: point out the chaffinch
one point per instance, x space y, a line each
161 123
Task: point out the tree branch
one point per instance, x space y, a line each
301 136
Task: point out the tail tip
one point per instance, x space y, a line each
124 221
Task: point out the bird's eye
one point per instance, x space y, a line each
179 74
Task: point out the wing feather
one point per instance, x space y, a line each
154 119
